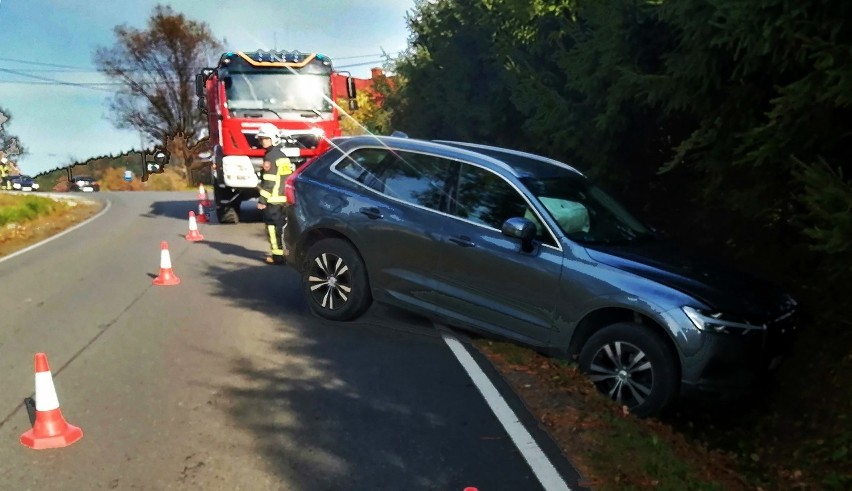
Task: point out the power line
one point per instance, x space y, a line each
93 69
362 64
365 56
30 62
101 86
54 81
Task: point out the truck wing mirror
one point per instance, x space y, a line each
350 88
199 84
156 166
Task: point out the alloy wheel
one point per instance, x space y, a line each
329 281
623 372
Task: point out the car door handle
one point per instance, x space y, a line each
372 213
463 241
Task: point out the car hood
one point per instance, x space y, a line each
720 287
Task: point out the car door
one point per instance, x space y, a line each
396 221
485 279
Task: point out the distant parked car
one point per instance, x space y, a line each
85 184
529 249
20 183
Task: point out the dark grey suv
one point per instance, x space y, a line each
529 249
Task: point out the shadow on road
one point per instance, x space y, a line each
234 249
172 209
180 209
360 405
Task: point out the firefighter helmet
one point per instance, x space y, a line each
269 130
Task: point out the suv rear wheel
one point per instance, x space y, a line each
335 280
633 366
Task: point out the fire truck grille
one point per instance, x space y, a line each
305 140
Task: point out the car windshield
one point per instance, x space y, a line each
584 212
278 92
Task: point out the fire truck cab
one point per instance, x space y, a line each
292 90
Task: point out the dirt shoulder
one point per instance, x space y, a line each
612 449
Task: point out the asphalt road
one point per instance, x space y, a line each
226 381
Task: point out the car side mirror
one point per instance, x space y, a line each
520 228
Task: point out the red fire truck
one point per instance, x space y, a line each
294 91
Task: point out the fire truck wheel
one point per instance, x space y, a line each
227 214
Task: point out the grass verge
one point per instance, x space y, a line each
612 449
18 209
25 220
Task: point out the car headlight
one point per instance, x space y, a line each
719 322
35 186
16 186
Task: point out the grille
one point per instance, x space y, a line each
780 332
305 140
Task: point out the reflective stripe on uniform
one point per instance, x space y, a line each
273 241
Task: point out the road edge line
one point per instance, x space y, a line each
541 466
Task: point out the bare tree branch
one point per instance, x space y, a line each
155 67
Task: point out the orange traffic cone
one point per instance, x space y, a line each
193 235
202 193
201 217
50 429
167 276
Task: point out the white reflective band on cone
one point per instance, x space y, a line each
193 225
165 259
45 392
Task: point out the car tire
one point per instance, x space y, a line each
610 359
335 280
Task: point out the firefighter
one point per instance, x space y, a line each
276 166
4 173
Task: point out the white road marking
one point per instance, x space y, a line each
538 462
60 234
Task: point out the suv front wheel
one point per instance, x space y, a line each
633 366
335 280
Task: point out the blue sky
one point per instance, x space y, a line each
58 124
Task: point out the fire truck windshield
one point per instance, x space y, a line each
278 92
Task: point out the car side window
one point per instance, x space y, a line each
418 178
487 198
415 178
364 166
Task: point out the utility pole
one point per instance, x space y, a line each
142 151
